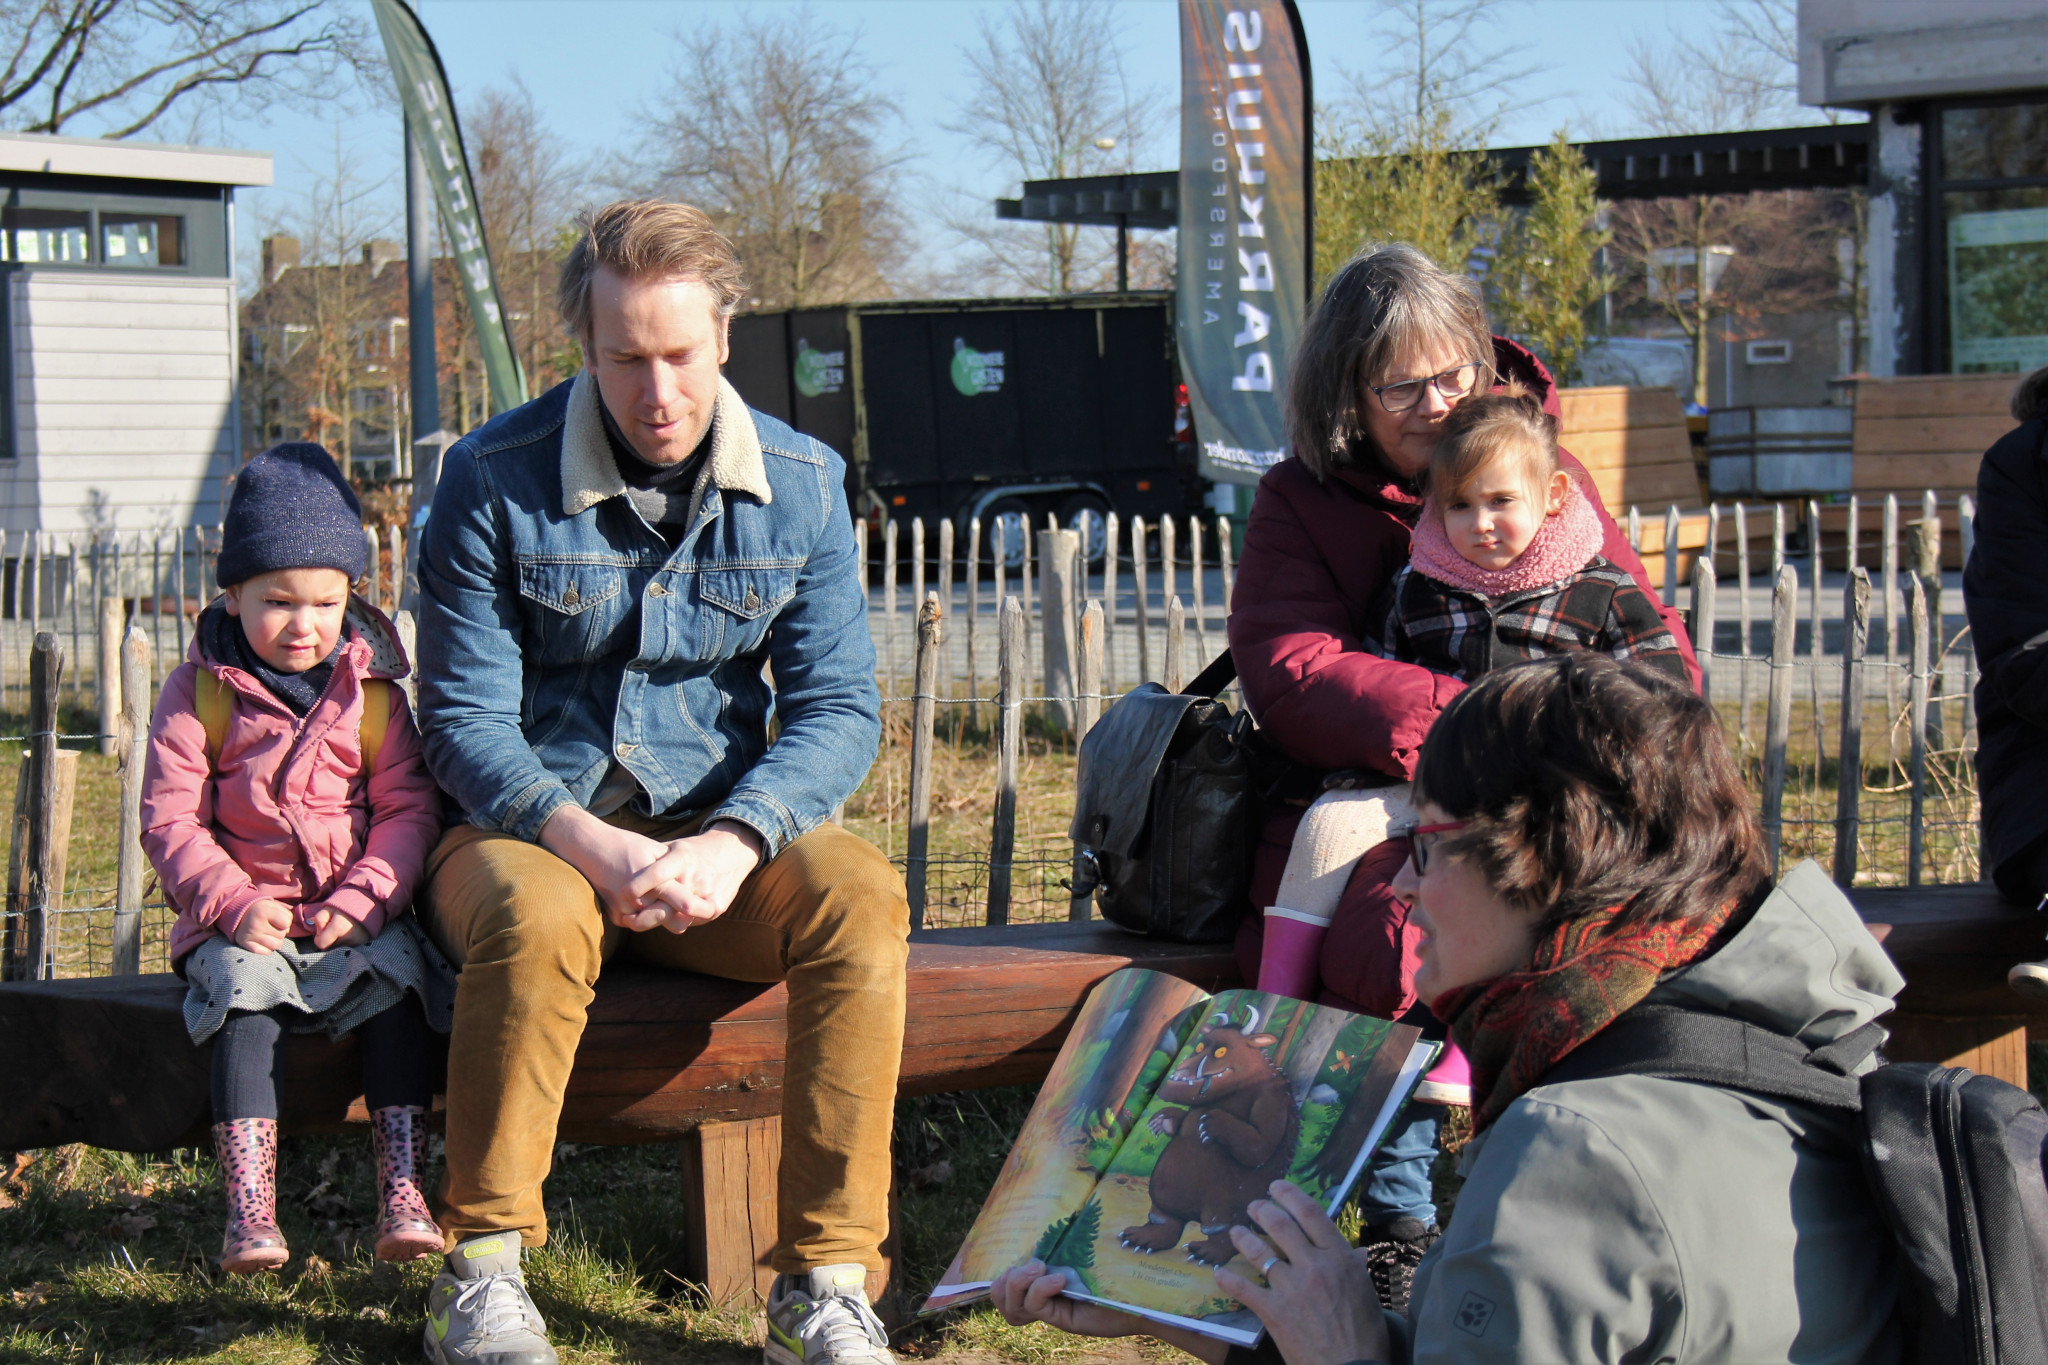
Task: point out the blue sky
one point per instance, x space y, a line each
591 64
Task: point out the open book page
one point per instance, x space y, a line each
1128 1032
1266 1088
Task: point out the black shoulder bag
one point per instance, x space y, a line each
1164 814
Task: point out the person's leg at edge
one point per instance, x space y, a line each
1397 1202
2023 880
828 916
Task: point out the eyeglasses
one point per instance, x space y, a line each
1453 383
1418 852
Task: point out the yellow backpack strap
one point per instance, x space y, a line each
215 707
377 702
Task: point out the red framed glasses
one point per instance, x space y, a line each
1418 852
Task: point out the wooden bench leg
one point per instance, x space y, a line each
729 1216
729 1207
1990 1045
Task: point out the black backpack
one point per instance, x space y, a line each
1954 1160
1164 811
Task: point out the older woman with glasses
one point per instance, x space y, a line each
1586 852
1392 345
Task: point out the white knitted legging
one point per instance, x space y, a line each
1338 830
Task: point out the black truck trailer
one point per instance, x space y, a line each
998 409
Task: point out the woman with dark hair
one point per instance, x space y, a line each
1585 845
1391 347
2006 595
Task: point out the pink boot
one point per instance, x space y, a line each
247 1149
1449 1081
1290 959
406 1229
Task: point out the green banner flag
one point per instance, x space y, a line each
423 91
1245 225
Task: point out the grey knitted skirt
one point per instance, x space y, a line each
336 989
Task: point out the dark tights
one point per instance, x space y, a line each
398 1060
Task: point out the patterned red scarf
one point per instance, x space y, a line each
1586 971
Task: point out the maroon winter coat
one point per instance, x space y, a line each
1316 555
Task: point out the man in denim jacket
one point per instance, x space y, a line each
610 576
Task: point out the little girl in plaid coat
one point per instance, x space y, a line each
1505 564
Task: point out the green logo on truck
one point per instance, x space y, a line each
818 372
976 371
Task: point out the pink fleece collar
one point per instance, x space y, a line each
1564 544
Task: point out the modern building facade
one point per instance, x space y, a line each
117 307
1957 92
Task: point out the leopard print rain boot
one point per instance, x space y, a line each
247 1149
406 1229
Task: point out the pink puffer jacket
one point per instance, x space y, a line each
288 816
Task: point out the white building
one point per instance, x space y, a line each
118 397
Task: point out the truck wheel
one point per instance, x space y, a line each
1088 516
1014 516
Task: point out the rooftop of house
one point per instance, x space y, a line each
127 160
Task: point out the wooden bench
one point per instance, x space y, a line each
675 1057
667 1056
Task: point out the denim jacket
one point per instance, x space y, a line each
558 632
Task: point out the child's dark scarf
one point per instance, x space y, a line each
1585 971
227 643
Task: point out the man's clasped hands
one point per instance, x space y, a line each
644 883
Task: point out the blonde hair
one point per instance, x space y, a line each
639 238
1508 425
1380 302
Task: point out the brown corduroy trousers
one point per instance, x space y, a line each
828 916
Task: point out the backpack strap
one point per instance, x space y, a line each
215 707
1678 1044
1210 682
214 703
375 722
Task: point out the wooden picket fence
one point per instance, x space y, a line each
1872 775
1848 702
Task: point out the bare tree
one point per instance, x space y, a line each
126 65
529 188
1051 99
1439 80
1719 264
1735 258
776 128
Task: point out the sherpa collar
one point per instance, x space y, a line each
590 474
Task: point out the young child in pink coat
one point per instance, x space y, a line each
289 815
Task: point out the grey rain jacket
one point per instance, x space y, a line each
1638 1220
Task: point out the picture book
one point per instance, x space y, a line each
1167 1112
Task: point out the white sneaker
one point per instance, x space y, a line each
823 1318
2029 979
477 1309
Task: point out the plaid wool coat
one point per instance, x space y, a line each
1450 630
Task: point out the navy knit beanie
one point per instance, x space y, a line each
291 509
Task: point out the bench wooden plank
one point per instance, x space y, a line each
105 1060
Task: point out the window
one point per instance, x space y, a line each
1768 353
141 242
1991 195
46 236
2008 142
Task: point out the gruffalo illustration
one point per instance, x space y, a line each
1234 1139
